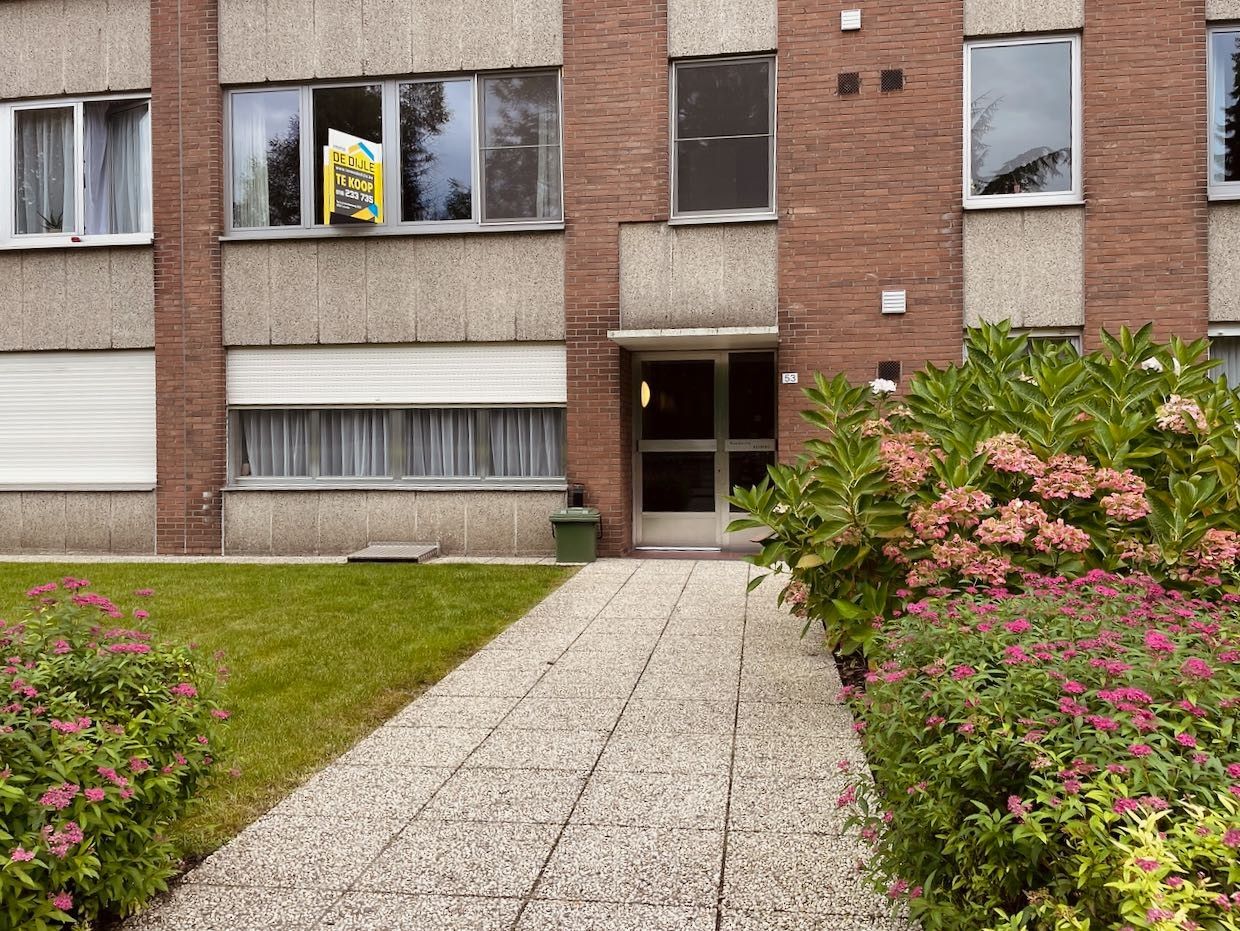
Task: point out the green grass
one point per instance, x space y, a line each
318 654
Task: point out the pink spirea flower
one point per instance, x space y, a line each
1072 687
73 584
59 798
1146 864
221 714
94 794
1018 809
1018 626
21 855
1140 750
62 901
1232 838
1158 642
145 592
1233 770
61 647
128 648
1123 805
1186 740
1197 668
184 690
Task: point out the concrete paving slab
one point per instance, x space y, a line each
514 748
460 711
677 716
795 757
525 796
780 804
793 719
227 908
566 714
610 916
392 747
793 921
689 754
805 873
342 791
662 800
370 911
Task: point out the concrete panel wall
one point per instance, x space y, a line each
50 47
1222 9
1025 266
719 27
283 40
1225 263
77 522
395 289
92 298
475 523
698 276
994 17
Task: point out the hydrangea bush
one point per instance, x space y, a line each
1024 458
106 736
1065 758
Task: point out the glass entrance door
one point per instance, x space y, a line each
705 422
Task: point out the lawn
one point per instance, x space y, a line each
318 654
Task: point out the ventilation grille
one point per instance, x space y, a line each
849 83
892 80
889 371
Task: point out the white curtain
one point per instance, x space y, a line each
548 205
275 443
1226 349
441 443
251 198
44 170
527 442
118 169
353 444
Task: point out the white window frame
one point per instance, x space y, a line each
1215 190
9 237
753 214
1048 199
1221 331
311 225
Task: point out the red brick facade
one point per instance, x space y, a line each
1146 221
186 144
615 171
869 193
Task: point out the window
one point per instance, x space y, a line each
444 140
1225 113
1022 122
392 444
1052 340
1225 349
79 170
723 137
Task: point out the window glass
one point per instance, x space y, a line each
43 164
266 159
116 155
353 444
441 443
1226 350
723 136
357 111
521 147
751 396
527 442
1225 106
436 150
275 443
1020 118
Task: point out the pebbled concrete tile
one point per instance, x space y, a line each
460 711
456 858
416 746
586 680
677 716
368 911
791 921
659 800
595 916
494 672
513 748
795 757
342 791
526 796
687 684
655 866
566 714
799 719
688 754
789 805
790 679
227 908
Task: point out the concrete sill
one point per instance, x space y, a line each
71 487
721 218
243 487
280 234
24 244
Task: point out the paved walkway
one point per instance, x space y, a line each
649 749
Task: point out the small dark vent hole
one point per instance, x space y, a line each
889 371
892 80
849 83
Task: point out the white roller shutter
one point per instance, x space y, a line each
77 418
441 375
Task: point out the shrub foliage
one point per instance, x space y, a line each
106 736
1024 458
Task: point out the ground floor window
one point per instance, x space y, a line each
490 443
1226 351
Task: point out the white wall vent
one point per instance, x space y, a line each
895 302
850 20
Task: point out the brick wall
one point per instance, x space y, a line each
186 146
869 193
615 171
1146 223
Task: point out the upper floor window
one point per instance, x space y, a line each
1225 113
1022 122
465 151
723 137
76 171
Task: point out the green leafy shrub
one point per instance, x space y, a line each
1063 759
1021 459
106 736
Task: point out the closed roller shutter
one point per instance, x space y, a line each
438 375
77 418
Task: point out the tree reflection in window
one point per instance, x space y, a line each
521 147
436 151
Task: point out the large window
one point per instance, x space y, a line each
76 170
1225 113
723 137
1022 122
457 152
415 445
1225 349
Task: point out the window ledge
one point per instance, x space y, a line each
1021 202
1223 194
712 218
242 485
76 486
438 229
76 242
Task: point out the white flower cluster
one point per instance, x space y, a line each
882 386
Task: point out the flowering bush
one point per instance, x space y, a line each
1024 458
1063 759
105 738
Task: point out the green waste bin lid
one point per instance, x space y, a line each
575 516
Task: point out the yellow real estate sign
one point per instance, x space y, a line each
352 178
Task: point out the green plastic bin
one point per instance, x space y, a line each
576 532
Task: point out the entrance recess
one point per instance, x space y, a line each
705 423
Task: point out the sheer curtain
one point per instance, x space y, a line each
1226 349
118 169
251 180
527 442
353 444
275 443
441 443
548 203
44 170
